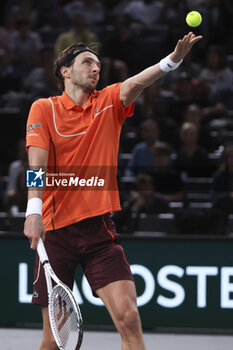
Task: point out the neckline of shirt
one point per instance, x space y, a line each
68 103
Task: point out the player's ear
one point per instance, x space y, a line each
65 72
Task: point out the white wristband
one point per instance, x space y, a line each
166 64
34 206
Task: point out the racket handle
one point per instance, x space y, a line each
41 251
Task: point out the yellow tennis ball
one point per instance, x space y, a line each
194 19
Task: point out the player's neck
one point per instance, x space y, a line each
78 96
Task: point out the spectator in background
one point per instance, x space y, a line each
151 102
120 52
25 46
146 12
111 7
221 81
5 35
50 14
187 91
145 200
16 167
26 9
41 81
9 77
92 11
79 32
17 201
221 100
223 178
217 75
190 68
192 160
173 15
215 110
142 160
154 104
193 114
4 38
167 180
9 26
222 188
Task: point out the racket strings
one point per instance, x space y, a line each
65 320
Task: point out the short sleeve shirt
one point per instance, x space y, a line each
83 144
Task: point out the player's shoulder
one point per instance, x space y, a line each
46 101
114 86
109 90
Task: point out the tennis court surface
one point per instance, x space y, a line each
29 339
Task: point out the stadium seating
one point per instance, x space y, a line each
163 223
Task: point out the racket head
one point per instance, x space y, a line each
65 318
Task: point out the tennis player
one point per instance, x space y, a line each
81 128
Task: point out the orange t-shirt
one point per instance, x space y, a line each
83 145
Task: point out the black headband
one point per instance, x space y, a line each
73 54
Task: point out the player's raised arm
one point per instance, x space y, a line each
34 227
131 88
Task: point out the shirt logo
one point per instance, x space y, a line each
102 110
35 178
31 127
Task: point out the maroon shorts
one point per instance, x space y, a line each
94 244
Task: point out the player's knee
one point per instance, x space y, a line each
129 322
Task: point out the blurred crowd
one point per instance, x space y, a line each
176 153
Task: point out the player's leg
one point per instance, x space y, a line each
120 299
48 341
110 277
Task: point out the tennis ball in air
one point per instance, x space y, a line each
193 19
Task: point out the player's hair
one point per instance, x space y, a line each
62 58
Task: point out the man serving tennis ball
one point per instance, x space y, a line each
81 128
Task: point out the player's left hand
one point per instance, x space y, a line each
183 46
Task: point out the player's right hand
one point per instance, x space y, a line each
34 229
183 46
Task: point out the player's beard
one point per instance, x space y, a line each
84 84
88 87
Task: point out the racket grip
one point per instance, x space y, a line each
41 251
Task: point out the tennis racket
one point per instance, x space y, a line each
64 313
